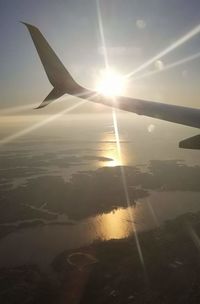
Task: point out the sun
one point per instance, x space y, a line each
110 83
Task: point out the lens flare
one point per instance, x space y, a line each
124 182
17 109
195 31
170 66
101 31
110 83
38 125
118 144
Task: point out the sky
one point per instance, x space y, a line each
135 31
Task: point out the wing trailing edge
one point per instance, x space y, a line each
63 83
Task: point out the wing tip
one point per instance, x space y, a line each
39 107
42 105
28 25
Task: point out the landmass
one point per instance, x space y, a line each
112 272
87 193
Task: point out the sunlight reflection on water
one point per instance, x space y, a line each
114 225
41 244
108 149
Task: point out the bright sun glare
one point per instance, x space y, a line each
110 83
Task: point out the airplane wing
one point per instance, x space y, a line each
63 83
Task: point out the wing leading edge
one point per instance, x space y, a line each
63 83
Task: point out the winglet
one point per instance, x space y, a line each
57 74
53 95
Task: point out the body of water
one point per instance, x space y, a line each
41 244
90 141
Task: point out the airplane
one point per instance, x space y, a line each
63 83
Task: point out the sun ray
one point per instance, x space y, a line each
17 109
23 108
126 192
194 236
153 213
195 31
118 142
169 66
40 124
101 30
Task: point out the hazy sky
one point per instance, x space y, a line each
135 31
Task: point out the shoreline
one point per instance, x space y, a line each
116 275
